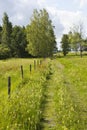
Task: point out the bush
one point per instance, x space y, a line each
4 52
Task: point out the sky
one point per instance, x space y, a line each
63 13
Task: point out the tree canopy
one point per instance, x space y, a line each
65 44
6 31
76 38
13 41
40 34
36 39
18 42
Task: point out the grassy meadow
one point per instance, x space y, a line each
51 97
23 109
13 68
71 93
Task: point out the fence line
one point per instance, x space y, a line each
22 74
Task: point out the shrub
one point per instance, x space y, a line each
4 52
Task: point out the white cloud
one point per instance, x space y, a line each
56 20
81 3
64 20
19 11
41 2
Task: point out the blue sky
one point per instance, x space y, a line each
63 13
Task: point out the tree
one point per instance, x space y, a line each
40 34
85 45
5 37
76 38
6 31
0 34
65 44
18 43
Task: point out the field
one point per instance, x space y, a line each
53 96
71 94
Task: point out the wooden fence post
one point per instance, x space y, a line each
37 63
9 86
34 64
40 62
22 73
30 68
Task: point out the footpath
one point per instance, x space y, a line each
48 119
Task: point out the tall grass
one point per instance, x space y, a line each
22 111
12 68
70 94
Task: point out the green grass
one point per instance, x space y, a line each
55 91
71 93
23 109
12 68
76 71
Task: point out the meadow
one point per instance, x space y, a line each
60 81
71 93
23 109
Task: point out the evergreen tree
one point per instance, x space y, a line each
5 37
19 43
0 34
6 31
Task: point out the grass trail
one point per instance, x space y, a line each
64 107
48 118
